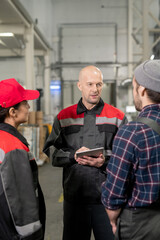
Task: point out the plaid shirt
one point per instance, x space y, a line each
133 171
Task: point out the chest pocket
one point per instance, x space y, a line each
72 136
109 131
71 129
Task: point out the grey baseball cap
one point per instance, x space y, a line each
147 74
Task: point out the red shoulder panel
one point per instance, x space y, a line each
8 142
110 112
69 112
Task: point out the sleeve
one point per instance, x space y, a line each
108 152
20 194
117 186
124 121
54 147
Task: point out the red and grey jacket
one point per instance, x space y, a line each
73 128
21 197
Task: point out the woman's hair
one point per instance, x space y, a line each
4 112
153 96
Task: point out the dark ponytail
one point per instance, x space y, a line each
4 112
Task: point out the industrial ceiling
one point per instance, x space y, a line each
15 19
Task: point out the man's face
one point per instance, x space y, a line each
136 96
90 85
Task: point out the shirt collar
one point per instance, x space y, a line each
97 109
150 107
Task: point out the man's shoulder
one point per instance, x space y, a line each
9 142
132 126
111 111
68 112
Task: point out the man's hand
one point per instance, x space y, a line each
91 161
113 216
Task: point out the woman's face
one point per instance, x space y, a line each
22 113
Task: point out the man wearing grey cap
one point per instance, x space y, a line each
131 193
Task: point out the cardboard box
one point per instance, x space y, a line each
32 118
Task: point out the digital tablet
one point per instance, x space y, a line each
91 152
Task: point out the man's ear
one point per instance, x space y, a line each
142 90
79 85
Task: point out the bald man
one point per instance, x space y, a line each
89 124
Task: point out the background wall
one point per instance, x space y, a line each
91 31
82 33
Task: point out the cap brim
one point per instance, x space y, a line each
31 94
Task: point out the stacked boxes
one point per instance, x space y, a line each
35 133
32 118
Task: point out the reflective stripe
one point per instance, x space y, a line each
71 121
29 228
99 120
2 154
105 120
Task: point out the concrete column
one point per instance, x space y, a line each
47 95
130 48
130 42
146 51
29 62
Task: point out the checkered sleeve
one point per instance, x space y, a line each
119 169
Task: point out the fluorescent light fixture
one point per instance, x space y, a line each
6 34
55 87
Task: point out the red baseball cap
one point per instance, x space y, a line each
11 93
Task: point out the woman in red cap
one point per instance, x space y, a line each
22 207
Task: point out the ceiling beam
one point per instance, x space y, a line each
20 14
14 28
19 53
